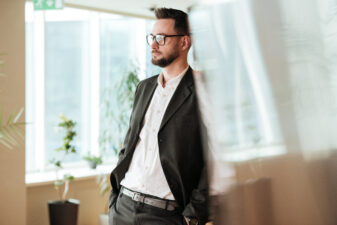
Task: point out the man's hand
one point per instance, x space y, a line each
188 223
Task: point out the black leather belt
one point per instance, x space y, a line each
169 205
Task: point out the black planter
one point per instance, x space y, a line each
63 213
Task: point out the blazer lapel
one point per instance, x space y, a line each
180 95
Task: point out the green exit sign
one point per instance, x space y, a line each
48 4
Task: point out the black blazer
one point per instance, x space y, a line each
180 146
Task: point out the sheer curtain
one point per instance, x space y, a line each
234 76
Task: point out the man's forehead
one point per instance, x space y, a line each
163 26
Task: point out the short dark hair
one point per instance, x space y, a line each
180 18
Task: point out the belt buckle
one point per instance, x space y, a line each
138 197
135 196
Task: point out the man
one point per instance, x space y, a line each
161 177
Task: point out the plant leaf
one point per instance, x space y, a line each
18 132
10 118
20 123
7 136
18 115
58 164
4 143
9 132
68 177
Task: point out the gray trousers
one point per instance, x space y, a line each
125 211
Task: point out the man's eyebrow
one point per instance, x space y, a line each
158 33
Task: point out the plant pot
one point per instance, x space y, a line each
103 219
92 165
63 213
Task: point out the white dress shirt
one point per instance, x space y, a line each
145 173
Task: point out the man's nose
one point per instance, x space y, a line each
154 44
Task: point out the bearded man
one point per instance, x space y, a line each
161 176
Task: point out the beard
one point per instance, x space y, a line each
165 61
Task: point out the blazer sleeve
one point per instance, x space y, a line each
198 205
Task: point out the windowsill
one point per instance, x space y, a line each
81 173
241 154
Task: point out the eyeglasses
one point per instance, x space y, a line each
160 38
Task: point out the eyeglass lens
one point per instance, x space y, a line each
160 39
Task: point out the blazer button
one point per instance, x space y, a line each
160 140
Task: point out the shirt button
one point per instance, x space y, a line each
158 111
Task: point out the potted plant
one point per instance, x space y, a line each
93 160
116 110
64 211
10 128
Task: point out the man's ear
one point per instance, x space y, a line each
186 42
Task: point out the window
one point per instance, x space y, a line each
72 56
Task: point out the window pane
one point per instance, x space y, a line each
65 67
114 49
115 56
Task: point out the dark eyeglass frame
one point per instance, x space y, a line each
164 36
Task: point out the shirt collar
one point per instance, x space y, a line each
172 82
